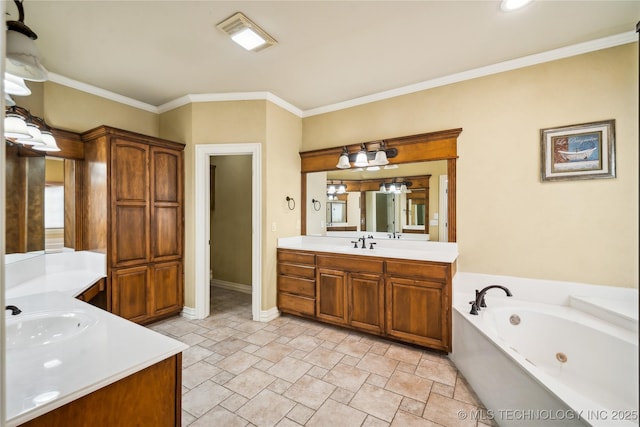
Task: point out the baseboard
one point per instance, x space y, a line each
189 313
269 315
239 287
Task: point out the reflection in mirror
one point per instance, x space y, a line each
414 211
40 203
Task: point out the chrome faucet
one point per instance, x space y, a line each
14 310
479 301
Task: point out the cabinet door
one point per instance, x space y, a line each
166 283
366 302
131 295
166 204
331 296
417 312
129 203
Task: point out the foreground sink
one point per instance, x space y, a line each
29 330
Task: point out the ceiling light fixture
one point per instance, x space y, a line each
510 5
246 33
23 59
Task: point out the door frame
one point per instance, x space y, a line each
203 222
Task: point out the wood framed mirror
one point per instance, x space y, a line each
426 147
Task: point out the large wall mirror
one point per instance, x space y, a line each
422 170
40 208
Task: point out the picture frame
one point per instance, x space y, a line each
581 151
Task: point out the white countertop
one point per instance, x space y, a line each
43 377
384 248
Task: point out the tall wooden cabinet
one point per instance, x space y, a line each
132 205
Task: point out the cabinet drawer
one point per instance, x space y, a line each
296 285
296 257
305 271
359 264
296 304
418 270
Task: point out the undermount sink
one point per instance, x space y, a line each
29 330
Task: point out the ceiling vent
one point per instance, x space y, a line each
246 33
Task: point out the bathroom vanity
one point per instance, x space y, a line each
399 289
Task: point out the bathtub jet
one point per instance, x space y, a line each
479 301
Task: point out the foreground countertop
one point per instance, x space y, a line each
384 248
43 377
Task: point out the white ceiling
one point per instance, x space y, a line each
329 52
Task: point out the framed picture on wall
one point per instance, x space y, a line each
583 151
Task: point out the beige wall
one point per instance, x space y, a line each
508 221
231 220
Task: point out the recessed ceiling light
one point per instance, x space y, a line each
509 5
246 33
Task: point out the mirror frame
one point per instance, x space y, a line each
441 145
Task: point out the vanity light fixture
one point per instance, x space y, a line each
246 33
381 156
20 126
23 59
361 158
343 161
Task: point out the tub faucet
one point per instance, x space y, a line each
479 301
14 310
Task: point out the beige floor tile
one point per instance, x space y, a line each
279 386
201 399
187 418
409 385
290 369
193 355
371 421
376 401
234 402
300 414
343 396
412 406
305 343
404 354
404 419
238 362
347 377
274 352
464 393
443 389
219 417
310 392
450 412
291 330
331 334
192 339
331 411
220 333
353 348
323 357
439 372
250 326
266 409
250 382
261 337
286 422
377 364
198 373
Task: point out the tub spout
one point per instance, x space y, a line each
479 301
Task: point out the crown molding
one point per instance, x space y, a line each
526 61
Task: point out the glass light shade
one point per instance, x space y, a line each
49 142
343 162
331 189
383 189
36 136
23 59
16 127
8 101
342 189
392 188
14 85
403 188
373 168
361 160
381 158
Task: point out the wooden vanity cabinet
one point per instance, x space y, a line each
418 302
350 292
297 282
132 201
405 300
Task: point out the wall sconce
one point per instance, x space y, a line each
23 128
372 160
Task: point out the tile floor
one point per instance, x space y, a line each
296 372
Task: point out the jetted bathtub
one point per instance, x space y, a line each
541 364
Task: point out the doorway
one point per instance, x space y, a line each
203 205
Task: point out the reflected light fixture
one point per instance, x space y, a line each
246 33
23 59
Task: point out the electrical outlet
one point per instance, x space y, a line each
274 227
